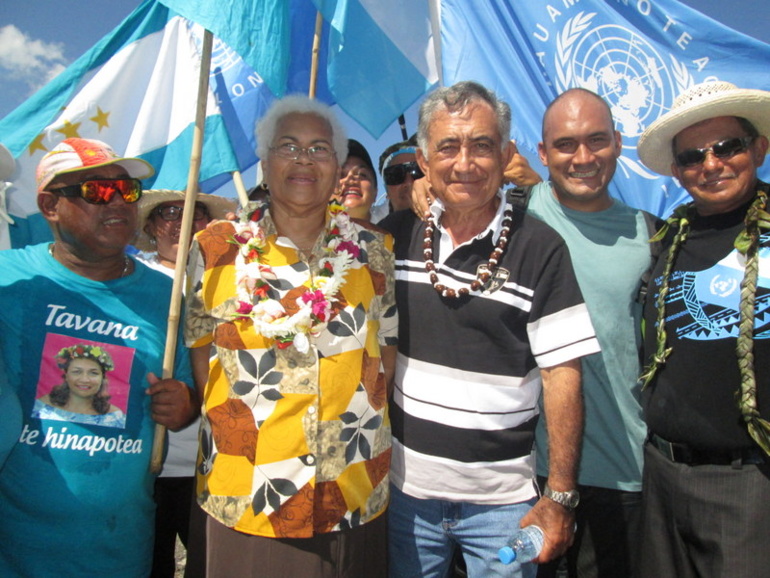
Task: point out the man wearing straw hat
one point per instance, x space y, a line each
83 297
706 486
177 514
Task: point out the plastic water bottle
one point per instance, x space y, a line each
525 546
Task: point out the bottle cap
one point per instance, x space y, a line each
506 554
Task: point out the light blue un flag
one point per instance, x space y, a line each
638 55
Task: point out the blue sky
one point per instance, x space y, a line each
38 38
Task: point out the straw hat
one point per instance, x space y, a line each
698 103
218 207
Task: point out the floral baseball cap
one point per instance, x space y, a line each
75 154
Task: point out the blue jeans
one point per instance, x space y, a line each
424 533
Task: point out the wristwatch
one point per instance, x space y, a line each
569 499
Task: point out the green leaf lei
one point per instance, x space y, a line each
747 244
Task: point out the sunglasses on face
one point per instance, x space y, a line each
174 213
397 174
721 150
101 191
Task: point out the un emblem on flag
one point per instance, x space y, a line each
637 81
620 65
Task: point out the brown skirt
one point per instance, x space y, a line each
357 553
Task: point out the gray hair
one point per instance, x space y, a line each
456 98
299 104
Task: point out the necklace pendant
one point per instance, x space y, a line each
493 280
489 277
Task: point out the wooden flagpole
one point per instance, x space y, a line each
156 460
240 188
316 50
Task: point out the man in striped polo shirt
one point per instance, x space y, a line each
490 315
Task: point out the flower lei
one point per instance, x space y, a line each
314 306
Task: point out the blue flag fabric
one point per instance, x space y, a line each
136 88
380 58
638 55
257 30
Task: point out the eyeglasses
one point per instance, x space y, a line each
397 174
101 191
722 150
173 213
292 152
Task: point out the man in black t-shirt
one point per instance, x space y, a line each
706 483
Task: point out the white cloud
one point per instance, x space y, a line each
27 60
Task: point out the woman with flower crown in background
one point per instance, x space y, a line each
297 301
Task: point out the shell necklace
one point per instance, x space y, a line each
483 275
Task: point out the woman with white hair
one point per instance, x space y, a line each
298 301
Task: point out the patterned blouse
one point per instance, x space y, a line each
293 444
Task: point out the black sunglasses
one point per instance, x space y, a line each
174 213
722 150
101 191
396 174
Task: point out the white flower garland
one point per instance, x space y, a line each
252 279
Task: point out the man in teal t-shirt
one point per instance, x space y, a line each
609 250
82 334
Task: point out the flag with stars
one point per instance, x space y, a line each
136 89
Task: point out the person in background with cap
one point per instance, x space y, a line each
66 480
160 219
399 169
357 189
706 390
